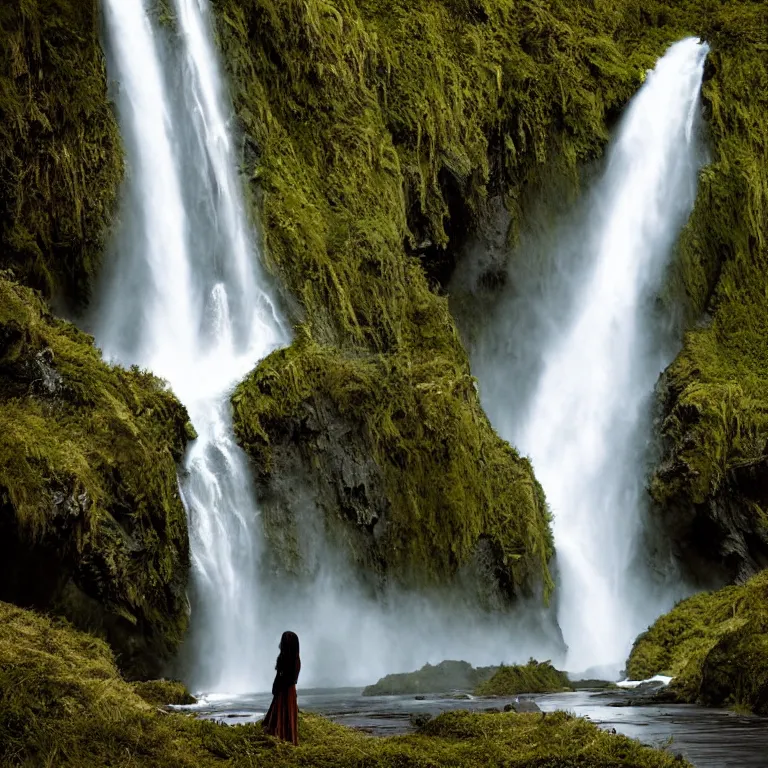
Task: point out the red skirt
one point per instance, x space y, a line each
282 718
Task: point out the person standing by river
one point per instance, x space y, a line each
281 719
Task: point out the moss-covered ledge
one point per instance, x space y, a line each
374 133
91 524
715 645
448 481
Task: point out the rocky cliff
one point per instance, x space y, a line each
91 524
374 133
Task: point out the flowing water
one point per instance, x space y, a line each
593 356
708 738
185 300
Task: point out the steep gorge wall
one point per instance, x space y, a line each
91 524
712 484
375 132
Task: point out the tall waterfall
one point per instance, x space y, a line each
185 299
579 330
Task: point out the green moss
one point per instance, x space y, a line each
714 645
60 156
533 677
163 692
62 703
449 479
439 678
91 524
376 132
715 401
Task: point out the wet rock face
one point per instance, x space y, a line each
322 483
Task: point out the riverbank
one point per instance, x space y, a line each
707 738
63 703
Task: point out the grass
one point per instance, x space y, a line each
63 704
60 153
714 645
533 677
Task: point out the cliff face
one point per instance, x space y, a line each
712 484
375 132
373 135
91 525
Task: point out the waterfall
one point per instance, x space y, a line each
569 363
185 298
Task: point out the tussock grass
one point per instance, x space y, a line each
533 677
62 703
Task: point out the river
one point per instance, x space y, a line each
708 738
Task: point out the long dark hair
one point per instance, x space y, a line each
288 662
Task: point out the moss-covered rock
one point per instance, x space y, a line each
91 524
533 677
375 131
63 704
715 645
438 678
712 484
60 154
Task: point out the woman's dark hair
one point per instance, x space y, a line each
289 662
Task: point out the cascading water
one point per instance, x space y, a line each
186 301
596 362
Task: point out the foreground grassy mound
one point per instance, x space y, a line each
91 524
439 678
60 156
62 703
533 677
714 645
375 133
712 484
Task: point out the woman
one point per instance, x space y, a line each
282 718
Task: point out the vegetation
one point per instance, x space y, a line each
375 134
714 645
441 678
60 155
533 677
712 481
62 703
163 692
91 524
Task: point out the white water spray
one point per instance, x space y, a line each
186 301
585 423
